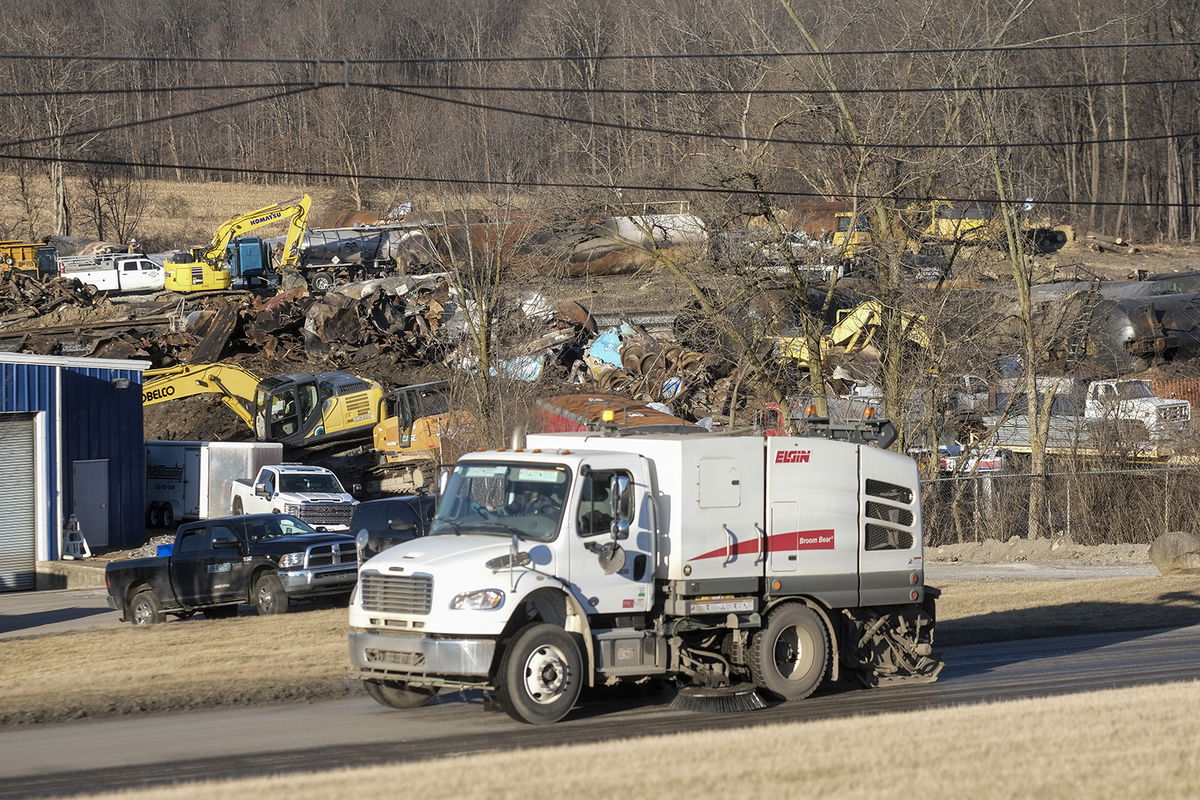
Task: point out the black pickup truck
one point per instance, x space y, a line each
266 560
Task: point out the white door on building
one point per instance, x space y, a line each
89 488
18 481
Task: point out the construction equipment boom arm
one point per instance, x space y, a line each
236 386
294 210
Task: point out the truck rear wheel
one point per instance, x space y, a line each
788 657
540 674
394 694
269 596
168 516
145 609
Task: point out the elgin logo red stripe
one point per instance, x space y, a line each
793 456
777 543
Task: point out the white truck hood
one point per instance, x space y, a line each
457 564
316 497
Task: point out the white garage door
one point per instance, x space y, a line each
18 534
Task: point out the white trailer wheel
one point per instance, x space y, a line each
789 656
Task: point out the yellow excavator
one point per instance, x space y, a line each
301 410
853 331
214 266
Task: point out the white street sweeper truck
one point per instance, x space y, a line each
752 564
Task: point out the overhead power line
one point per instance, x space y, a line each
215 87
784 91
112 126
745 54
734 137
634 91
533 184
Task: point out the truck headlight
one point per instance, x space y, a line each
291 560
362 539
292 508
478 600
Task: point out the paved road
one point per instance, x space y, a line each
58 611
106 754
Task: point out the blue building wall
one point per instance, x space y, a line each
99 421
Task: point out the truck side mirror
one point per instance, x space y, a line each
261 490
618 496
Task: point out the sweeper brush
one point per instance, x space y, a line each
726 700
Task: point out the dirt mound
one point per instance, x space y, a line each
1041 551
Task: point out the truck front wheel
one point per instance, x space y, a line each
540 674
394 694
269 596
788 656
144 609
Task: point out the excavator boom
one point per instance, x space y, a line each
235 385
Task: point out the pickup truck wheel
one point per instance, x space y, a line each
394 694
540 675
144 609
269 596
221 612
238 509
788 656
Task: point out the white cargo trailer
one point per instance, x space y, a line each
192 480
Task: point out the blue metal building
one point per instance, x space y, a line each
71 442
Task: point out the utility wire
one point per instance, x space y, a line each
533 184
731 137
614 91
873 90
598 123
1018 48
153 89
166 117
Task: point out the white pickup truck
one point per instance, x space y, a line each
312 494
122 272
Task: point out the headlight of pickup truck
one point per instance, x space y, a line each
292 508
478 600
291 560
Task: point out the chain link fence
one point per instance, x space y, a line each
1087 503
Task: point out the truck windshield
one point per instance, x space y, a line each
316 482
258 528
1133 390
503 499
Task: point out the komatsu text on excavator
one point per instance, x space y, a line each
208 267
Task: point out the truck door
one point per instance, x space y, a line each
188 570
224 564
587 528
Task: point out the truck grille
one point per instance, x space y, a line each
396 594
1175 413
326 513
325 555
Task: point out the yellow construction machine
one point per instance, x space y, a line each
215 265
853 332
407 425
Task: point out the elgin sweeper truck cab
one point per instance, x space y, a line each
729 564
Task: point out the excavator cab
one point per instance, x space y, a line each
302 409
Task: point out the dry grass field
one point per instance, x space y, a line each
302 656
1119 743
